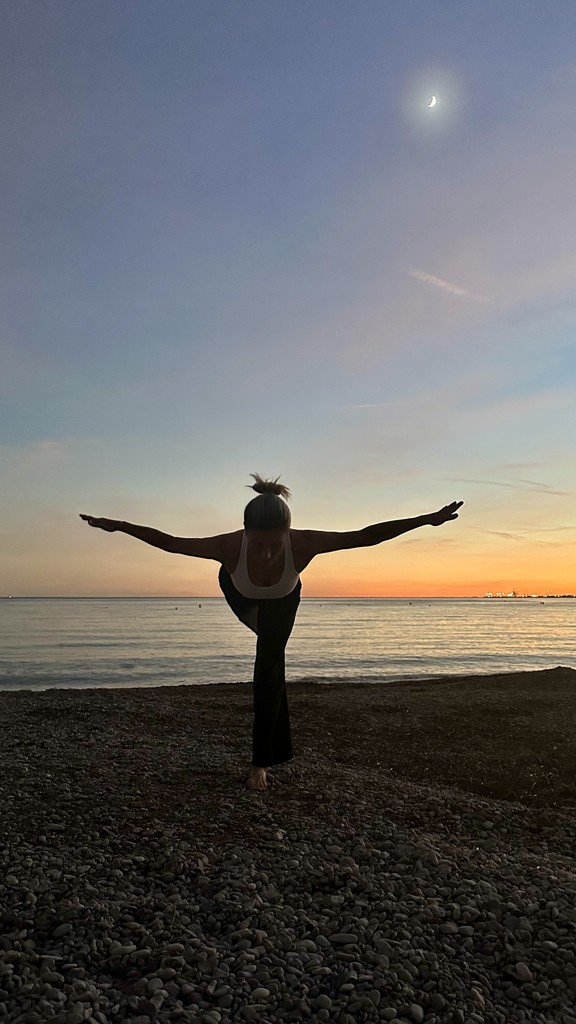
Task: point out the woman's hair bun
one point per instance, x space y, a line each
269 486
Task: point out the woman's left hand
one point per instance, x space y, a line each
444 514
110 525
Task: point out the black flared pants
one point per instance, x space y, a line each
272 619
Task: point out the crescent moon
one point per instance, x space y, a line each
432 103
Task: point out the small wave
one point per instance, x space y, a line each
97 643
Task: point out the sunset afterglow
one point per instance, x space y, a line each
241 240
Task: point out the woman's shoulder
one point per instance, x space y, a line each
301 555
232 542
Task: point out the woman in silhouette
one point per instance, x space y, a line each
259 576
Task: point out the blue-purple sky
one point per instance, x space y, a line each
236 239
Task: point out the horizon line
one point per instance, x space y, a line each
319 597
220 597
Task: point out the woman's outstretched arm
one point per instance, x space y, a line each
156 538
198 547
386 531
320 542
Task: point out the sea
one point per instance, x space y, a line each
125 642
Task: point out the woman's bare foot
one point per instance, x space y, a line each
257 779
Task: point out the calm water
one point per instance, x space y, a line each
168 641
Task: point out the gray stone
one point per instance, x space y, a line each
477 997
437 1001
154 984
512 992
254 1011
523 972
323 1002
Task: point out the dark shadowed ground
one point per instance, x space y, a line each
91 759
507 736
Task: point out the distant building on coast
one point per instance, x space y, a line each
514 593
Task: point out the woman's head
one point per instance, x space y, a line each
268 511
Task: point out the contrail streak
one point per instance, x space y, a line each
439 282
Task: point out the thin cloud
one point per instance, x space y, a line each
538 487
497 533
507 466
553 529
536 483
380 405
36 452
439 282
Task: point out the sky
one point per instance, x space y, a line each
238 239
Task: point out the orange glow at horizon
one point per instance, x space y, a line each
355 587
433 567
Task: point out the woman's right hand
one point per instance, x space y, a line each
110 525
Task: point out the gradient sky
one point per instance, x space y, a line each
237 240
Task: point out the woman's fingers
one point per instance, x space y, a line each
110 525
453 507
446 513
91 520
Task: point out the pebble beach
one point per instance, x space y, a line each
414 863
